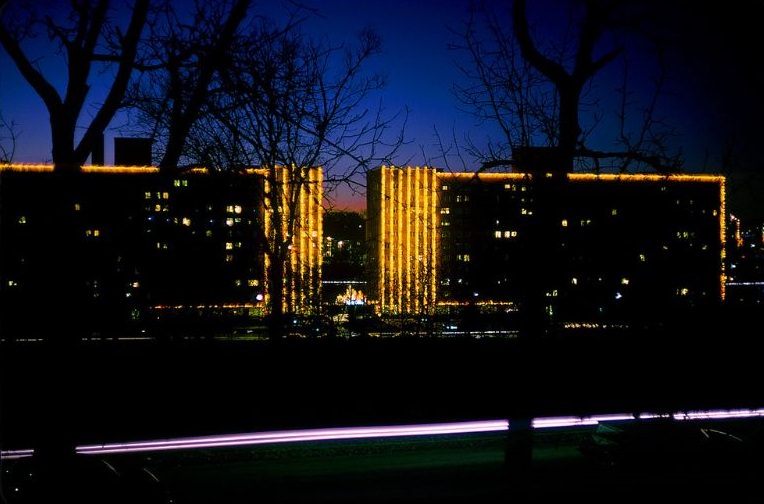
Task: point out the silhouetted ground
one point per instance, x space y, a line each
113 391
465 468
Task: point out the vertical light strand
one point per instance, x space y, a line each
723 235
406 241
267 229
434 223
380 241
302 252
399 232
417 255
319 241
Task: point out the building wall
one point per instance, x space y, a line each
402 238
301 233
112 247
595 248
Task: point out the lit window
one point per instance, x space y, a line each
229 221
157 208
642 258
624 281
237 209
208 233
229 258
253 282
574 281
497 234
445 211
564 222
444 188
12 283
147 195
165 195
585 222
77 207
683 291
135 285
23 219
614 211
229 208
186 221
228 245
237 283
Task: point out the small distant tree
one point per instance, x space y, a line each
8 137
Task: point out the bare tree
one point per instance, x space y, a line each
540 85
8 135
86 39
184 51
296 103
543 86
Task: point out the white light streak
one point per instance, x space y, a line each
337 433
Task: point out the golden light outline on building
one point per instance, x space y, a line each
49 168
400 190
302 285
302 267
405 241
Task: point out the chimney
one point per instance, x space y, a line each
132 151
96 154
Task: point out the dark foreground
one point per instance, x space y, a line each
467 468
102 391
56 395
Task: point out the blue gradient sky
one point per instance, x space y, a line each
715 94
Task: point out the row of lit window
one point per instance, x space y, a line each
156 195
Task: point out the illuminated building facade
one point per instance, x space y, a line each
112 246
301 220
402 236
603 248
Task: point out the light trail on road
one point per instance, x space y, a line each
337 433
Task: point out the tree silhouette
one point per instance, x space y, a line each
542 78
88 39
184 52
539 83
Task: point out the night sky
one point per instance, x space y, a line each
712 96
